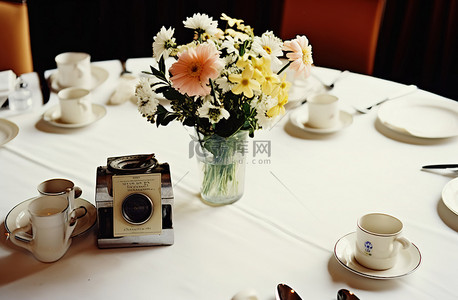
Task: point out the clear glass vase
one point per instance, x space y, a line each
221 163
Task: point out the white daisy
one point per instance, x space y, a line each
202 22
212 112
230 45
268 45
224 84
230 60
164 43
262 106
146 98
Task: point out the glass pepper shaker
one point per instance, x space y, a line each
21 98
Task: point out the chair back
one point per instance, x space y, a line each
15 47
343 33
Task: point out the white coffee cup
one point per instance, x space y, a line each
59 186
378 241
52 224
323 111
74 69
75 105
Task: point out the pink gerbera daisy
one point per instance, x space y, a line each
300 55
195 67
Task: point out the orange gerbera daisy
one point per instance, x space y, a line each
195 67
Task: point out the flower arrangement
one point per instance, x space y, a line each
222 84
222 81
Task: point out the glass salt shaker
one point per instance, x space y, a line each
21 98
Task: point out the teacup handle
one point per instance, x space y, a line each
78 191
405 243
71 223
20 242
84 104
74 216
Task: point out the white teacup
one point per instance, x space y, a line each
378 241
323 111
75 105
74 69
52 224
59 186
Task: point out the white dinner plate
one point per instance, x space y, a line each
18 216
98 76
408 260
421 116
299 118
52 116
8 131
450 195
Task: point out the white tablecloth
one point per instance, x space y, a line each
298 202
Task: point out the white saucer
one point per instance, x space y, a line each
8 131
299 118
450 195
98 76
408 260
52 116
18 216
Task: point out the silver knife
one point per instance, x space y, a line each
444 166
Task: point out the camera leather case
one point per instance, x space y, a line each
134 200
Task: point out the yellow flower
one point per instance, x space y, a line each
243 61
282 88
244 82
230 21
245 28
279 108
261 68
186 47
268 85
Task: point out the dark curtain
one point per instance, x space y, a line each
124 29
417 43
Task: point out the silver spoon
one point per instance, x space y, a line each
344 294
284 292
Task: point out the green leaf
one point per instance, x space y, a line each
189 122
161 89
173 94
161 109
160 75
161 113
163 116
161 65
169 117
226 128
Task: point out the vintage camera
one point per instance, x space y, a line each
134 200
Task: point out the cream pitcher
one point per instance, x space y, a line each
52 223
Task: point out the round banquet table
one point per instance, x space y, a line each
302 194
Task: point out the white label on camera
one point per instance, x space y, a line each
140 185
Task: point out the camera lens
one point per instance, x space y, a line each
137 209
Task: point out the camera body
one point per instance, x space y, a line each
134 200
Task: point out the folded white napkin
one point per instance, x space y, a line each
7 81
125 90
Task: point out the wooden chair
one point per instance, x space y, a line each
343 33
15 48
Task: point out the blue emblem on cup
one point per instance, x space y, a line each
368 247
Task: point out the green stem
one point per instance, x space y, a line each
284 67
